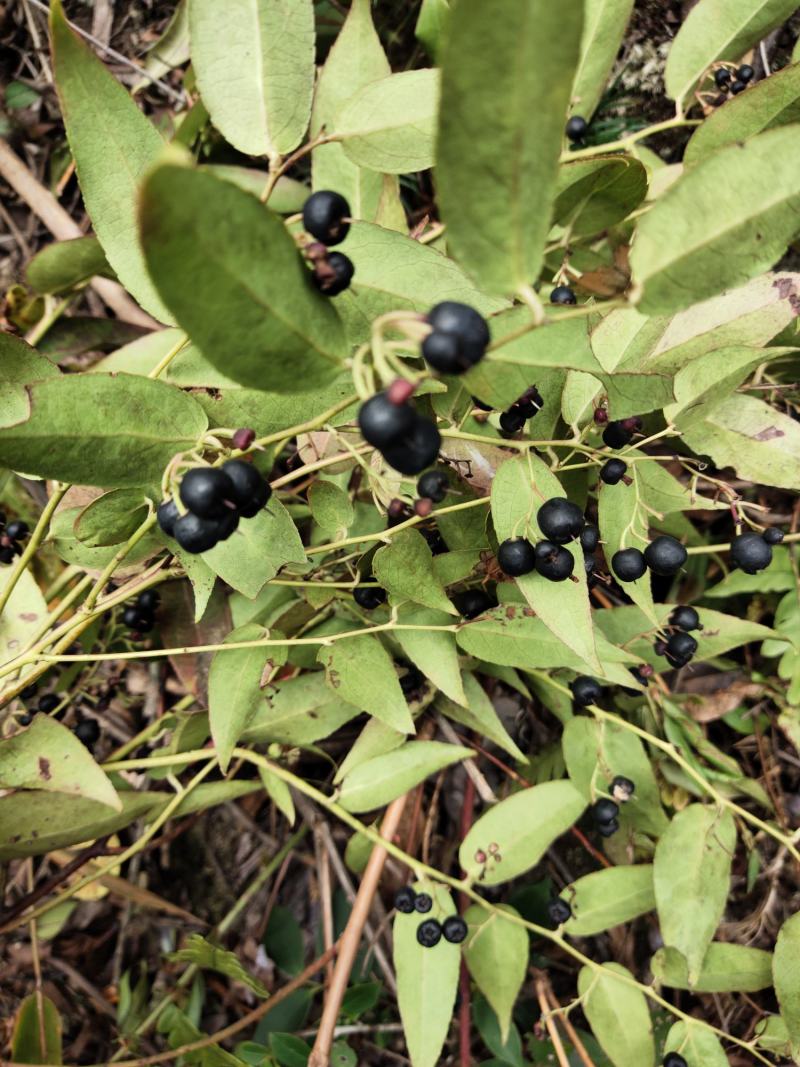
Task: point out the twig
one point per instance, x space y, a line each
351 938
562 1017
485 791
547 1019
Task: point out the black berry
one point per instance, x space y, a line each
622 789
404 900
148 600
745 73
590 538
738 87
516 557
530 402
429 933
560 520
562 294
589 564
674 1059
324 215
441 351
628 564
680 647
433 485
227 524
608 829
685 618
249 488
604 810
423 902
480 404
576 128
25 719
616 435
411 682
17 530
369 597
204 491
6 554
130 617
383 423
194 534
473 602
418 449
751 553
553 561
48 702
512 421
466 326
586 690
454 929
665 555
335 275
167 515
88 732
613 471
773 536
722 78
558 911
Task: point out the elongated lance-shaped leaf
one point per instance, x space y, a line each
380 780
786 972
604 27
609 897
618 1015
496 953
696 1043
727 968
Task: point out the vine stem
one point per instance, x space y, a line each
88 605
36 538
626 143
168 358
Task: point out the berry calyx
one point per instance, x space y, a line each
628 564
516 557
613 471
194 534
404 900
622 789
616 435
423 902
473 602
563 294
429 933
466 327
433 485
324 216
585 690
553 562
512 421
773 535
576 128
750 553
383 423
204 491
560 520
418 448
333 274
558 911
454 929
685 618
665 555
370 596
167 515
590 538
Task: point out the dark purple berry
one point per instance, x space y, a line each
616 435
333 274
560 520
369 596
167 515
685 618
423 902
553 561
454 929
512 421
324 215
473 602
404 900
562 294
516 557
628 564
590 538
433 485
774 535
204 491
17 530
48 702
417 450
383 423
613 471
194 534
429 933
577 128
586 690
87 731
558 911
750 553
665 555
466 325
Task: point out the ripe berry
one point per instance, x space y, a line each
26 719
334 274
553 562
473 602
674 1059
576 128
589 564
130 617
17 530
512 421
411 682
433 485
383 423
423 902
88 732
628 564
613 471
148 600
194 534
246 481
429 933
6 554
685 618
616 435
167 515
680 646
48 702
773 536
530 402
562 294
369 597
29 692
404 900
227 524
441 351
434 540
417 450
516 557
622 789
590 538
480 404
745 73
324 215
558 911
722 78
560 520
204 491
665 555
586 690
604 810
750 552
454 929
466 325
738 87
608 829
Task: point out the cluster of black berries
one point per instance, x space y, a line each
458 339
619 432
12 535
47 704
430 931
513 420
733 82
605 811
664 556
680 647
326 216
560 521
407 441
140 616
216 499
751 552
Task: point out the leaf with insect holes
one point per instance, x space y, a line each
727 968
618 1015
604 25
427 979
298 711
606 898
36 1036
786 973
692 870
113 145
493 67
360 671
519 489
380 780
512 836
496 954
254 64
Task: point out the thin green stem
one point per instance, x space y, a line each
626 143
168 358
111 566
36 539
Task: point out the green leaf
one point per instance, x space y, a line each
257 550
18 96
662 491
759 442
380 780
519 488
477 712
727 968
705 384
624 523
593 194
299 711
98 429
498 217
775 101
110 519
170 50
772 1034
289 1051
360 671
427 980
279 793
113 145
604 25
496 953
376 739
432 21
283 940
405 569
73 551
49 756
20 365
210 957
29 1027
229 269
266 413
609 897
596 752
330 505
696 1043
786 974
719 29
618 1015
388 125
512 837
255 70
692 869
64 264
694 243
287 197
433 651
